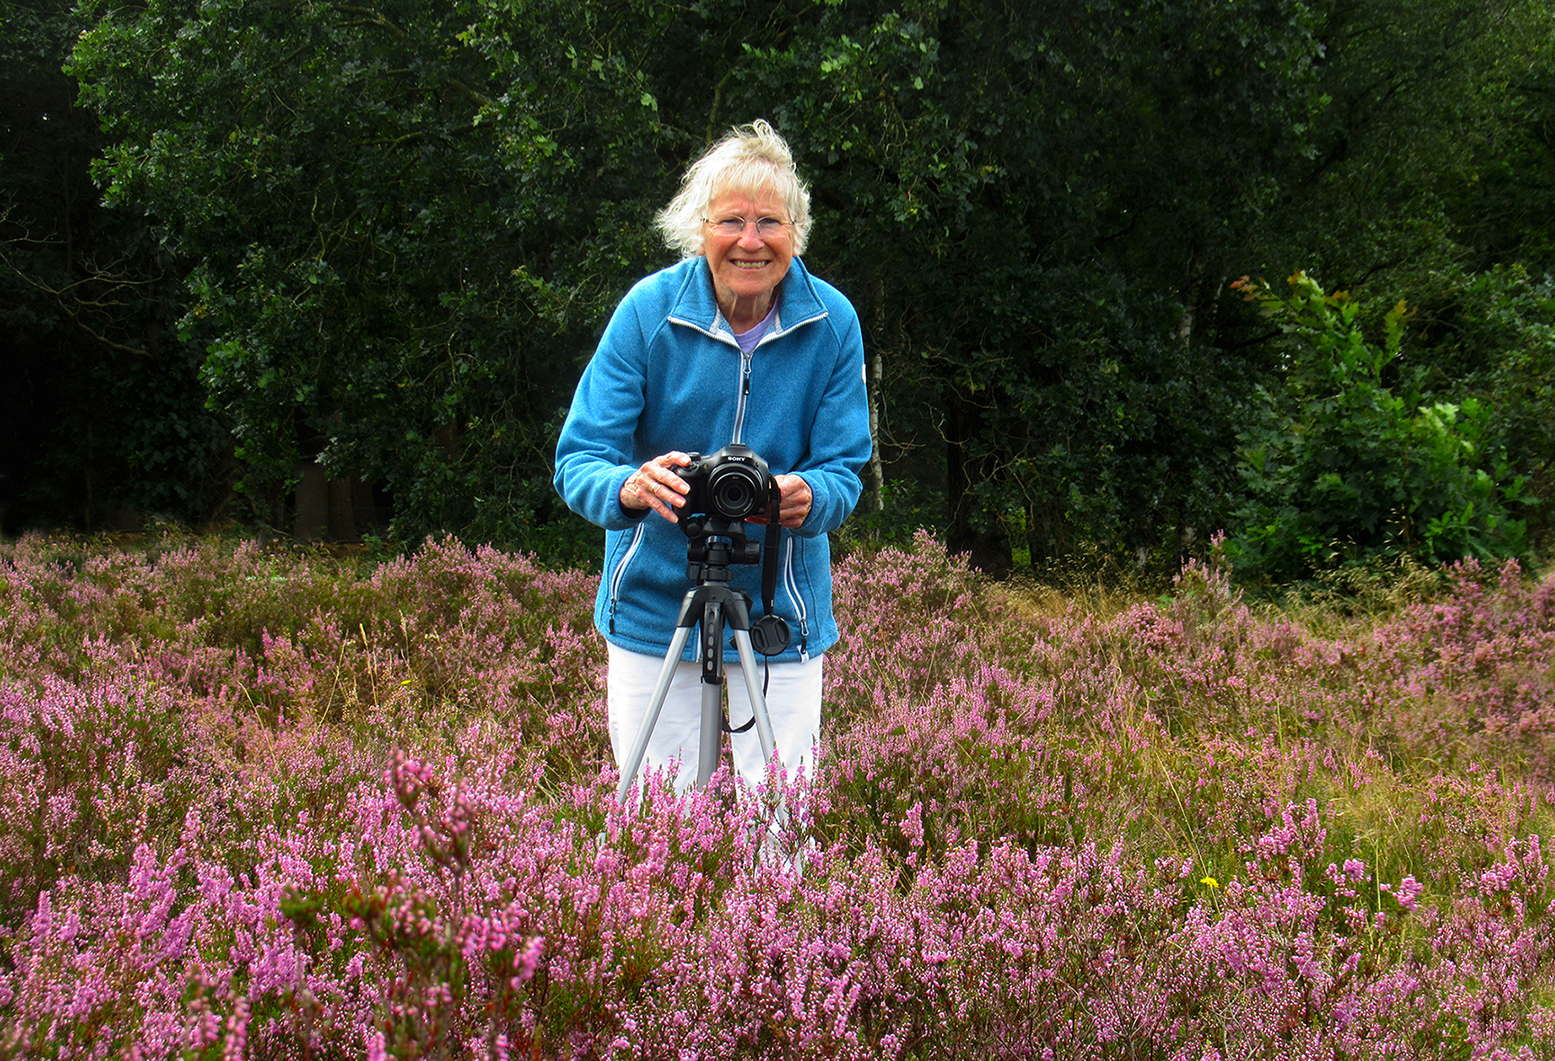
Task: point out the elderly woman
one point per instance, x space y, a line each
738 343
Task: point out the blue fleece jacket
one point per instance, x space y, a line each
668 375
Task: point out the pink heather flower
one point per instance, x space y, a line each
237 1032
1498 878
526 961
912 825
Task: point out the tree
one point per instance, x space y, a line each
1033 208
401 225
391 254
104 414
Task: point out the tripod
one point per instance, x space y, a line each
713 603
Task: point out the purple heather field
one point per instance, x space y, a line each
272 804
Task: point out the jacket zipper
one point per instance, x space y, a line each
620 570
743 396
791 585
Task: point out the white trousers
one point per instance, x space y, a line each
793 696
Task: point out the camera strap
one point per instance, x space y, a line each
769 552
769 634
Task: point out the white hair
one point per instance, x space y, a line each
750 158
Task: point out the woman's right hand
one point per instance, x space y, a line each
655 485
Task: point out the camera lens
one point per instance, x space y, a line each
735 491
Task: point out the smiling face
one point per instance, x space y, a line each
746 268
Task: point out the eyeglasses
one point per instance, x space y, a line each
766 227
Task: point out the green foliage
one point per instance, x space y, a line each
405 290
398 229
1354 460
104 419
395 253
1008 201
1501 212
1494 334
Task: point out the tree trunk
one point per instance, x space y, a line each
874 375
971 531
874 472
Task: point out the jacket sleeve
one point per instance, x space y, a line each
594 455
840 443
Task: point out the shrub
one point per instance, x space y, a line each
1355 460
265 804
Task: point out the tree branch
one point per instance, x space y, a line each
72 305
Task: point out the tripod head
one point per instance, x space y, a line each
715 544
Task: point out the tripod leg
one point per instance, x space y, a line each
660 691
742 644
712 743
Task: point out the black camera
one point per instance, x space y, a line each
727 487
733 483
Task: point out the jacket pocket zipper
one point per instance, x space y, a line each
620 570
791 585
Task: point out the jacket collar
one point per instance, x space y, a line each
695 306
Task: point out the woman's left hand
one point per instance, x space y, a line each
795 504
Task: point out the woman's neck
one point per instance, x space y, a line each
744 313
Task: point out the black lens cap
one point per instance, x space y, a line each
769 635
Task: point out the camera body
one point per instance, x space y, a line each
727 488
732 483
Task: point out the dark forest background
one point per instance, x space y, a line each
1132 275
